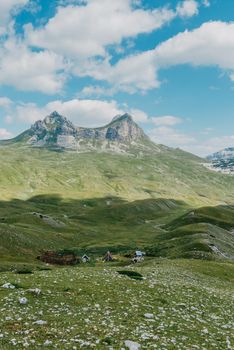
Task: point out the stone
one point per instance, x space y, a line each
131 345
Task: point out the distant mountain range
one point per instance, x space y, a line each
223 161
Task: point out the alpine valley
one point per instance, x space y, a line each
112 235
93 189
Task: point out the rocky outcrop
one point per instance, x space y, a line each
227 153
121 129
222 161
57 131
53 130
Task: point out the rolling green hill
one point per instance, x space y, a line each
162 227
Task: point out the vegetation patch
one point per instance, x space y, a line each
24 271
132 274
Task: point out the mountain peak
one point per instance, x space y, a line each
56 119
55 114
50 130
120 117
55 130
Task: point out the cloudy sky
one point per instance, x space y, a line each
168 63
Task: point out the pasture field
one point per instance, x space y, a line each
179 304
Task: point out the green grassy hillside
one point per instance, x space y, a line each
161 227
200 233
97 201
166 173
159 200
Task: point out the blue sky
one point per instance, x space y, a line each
168 63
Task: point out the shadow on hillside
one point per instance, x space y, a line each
96 208
168 227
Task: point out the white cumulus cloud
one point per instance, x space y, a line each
130 74
81 33
82 112
30 70
211 45
7 9
5 134
5 102
86 30
187 8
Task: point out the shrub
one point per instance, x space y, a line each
132 274
24 271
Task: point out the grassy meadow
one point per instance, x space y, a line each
166 203
179 304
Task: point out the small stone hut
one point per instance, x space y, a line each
85 258
108 256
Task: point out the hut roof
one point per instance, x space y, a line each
108 256
138 253
85 256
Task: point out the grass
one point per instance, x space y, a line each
95 307
160 173
162 227
163 202
94 201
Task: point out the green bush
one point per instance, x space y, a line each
24 271
132 274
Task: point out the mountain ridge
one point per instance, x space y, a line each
55 130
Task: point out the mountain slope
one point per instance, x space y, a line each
201 233
26 172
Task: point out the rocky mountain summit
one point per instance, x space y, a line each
50 130
57 131
226 153
223 161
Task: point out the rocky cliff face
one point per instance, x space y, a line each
227 153
223 161
51 131
121 129
57 131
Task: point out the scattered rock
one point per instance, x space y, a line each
40 322
131 345
23 300
8 285
35 291
47 342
